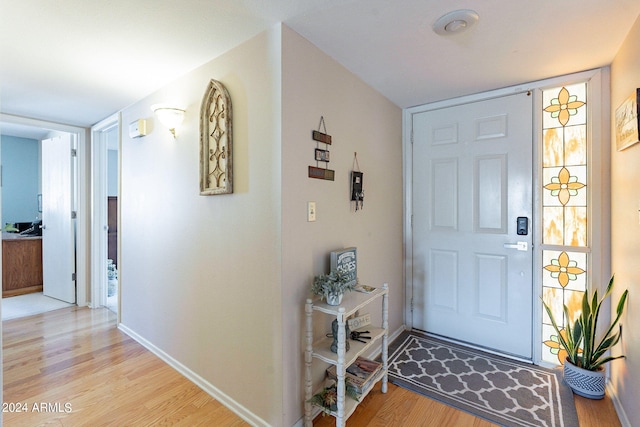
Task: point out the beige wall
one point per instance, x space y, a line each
200 275
625 238
217 284
359 120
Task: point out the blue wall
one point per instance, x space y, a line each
20 179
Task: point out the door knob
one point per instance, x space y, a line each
521 246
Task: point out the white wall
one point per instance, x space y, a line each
200 275
359 120
625 238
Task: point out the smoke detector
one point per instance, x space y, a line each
455 22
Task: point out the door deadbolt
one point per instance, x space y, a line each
522 226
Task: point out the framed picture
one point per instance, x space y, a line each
216 161
322 155
346 260
627 122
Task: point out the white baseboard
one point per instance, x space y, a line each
209 388
622 415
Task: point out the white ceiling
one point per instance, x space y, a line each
78 61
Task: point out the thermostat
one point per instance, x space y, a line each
138 128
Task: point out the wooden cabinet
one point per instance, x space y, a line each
21 265
320 349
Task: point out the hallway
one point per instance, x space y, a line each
74 367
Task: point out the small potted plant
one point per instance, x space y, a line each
583 370
327 398
332 286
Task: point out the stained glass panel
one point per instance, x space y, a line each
564 209
554 101
573 301
553 298
553 225
565 186
564 283
553 152
564 269
575 145
575 226
550 347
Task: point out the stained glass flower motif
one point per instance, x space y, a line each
564 186
564 269
556 348
564 106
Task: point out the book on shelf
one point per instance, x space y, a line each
366 289
360 374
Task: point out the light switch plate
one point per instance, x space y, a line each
311 211
359 322
138 128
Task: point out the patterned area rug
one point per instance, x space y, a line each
500 390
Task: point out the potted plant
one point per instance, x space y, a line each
332 286
327 398
583 370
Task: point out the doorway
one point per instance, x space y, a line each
105 138
67 196
597 188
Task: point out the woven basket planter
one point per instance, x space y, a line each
590 384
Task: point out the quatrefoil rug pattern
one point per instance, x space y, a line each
497 389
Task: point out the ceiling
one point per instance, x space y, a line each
77 62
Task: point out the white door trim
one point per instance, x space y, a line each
82 200
599 155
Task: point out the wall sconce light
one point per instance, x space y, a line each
170 117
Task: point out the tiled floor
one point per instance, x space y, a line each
26 305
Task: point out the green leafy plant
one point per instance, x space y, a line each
334 283
327 399
579 339
9 227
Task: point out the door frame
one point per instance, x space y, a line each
99 194
599 154
81 186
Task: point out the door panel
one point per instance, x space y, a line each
58 248
472 179
490 213
445 189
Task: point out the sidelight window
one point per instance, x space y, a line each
565 213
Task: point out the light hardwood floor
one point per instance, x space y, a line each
76 356
403 408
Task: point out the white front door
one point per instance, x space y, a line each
472 185
58 245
